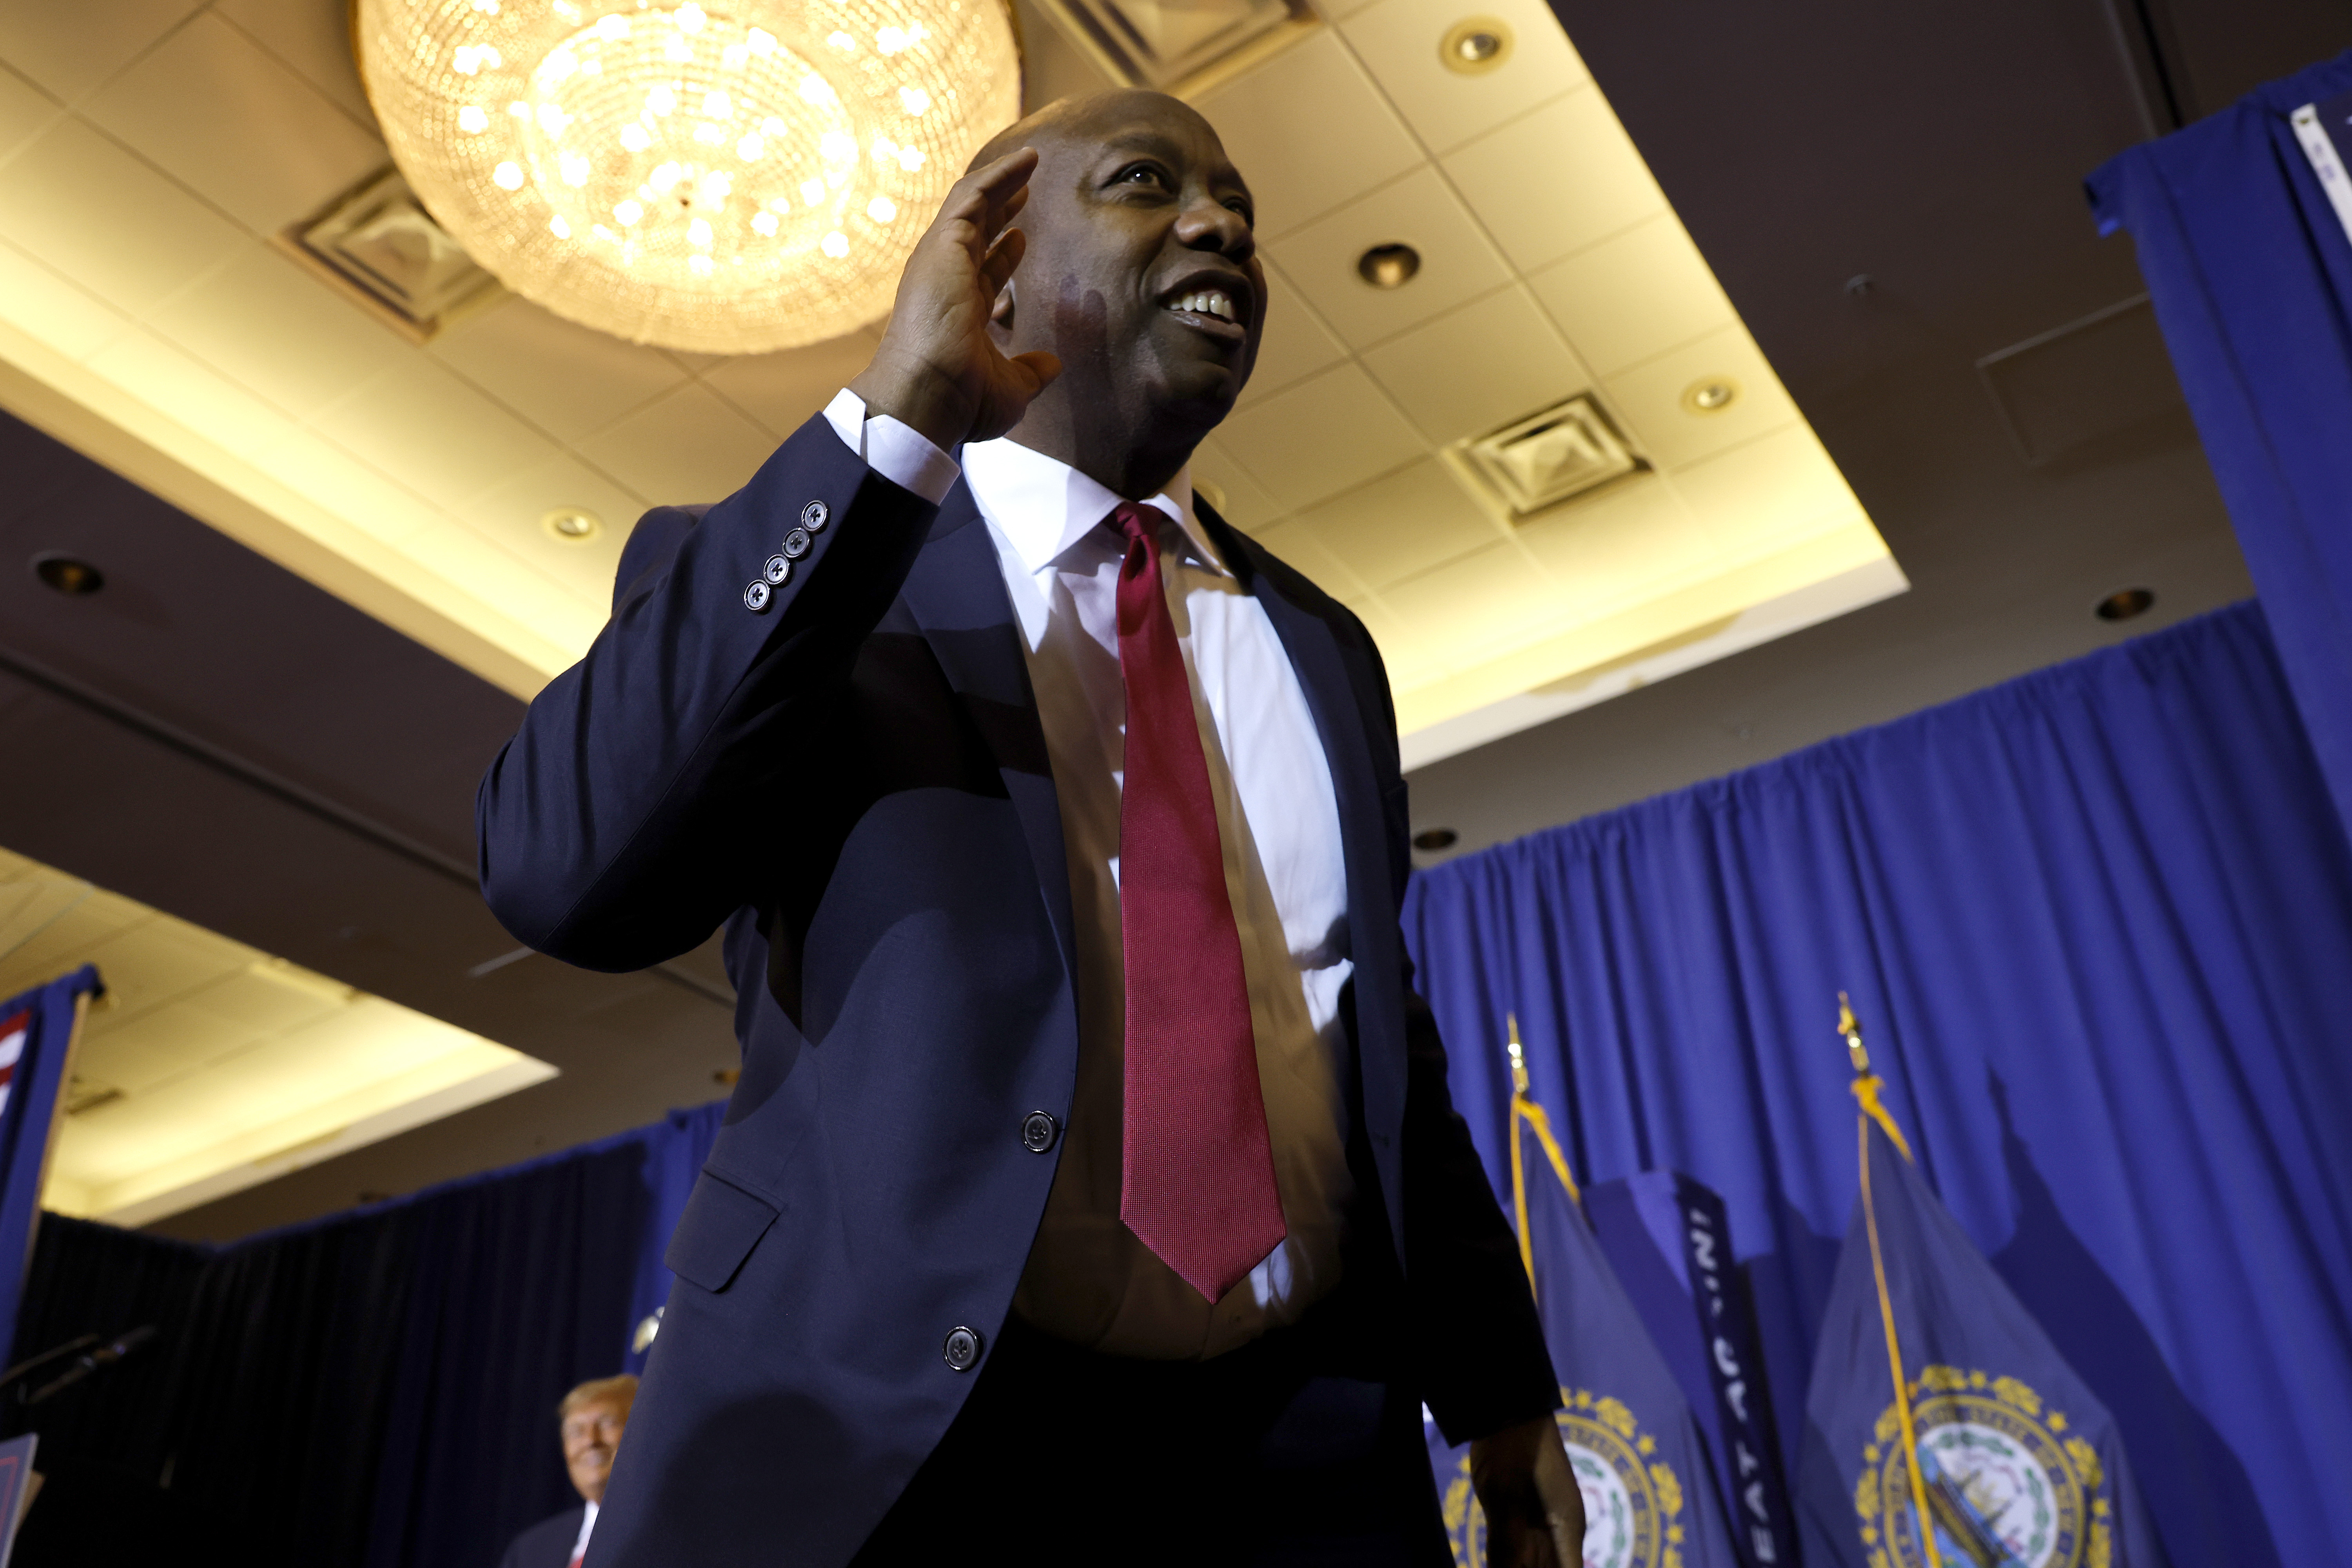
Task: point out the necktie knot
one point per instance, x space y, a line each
1135 522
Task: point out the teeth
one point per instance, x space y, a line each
1208 302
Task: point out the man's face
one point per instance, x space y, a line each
1141 272
590 1435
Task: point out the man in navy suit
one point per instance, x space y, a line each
1091 1191
589 1421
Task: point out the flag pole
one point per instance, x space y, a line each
1865 1086
1525 1109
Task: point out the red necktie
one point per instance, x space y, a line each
1198 1174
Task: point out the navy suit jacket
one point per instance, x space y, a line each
855 782
548 1543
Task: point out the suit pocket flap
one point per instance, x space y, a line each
721 1225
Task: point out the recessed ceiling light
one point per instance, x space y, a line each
1435 839
1389 266
1475 46
68 574
1710 394
573 524
2124 604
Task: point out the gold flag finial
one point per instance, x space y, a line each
1519 1056
1849 1027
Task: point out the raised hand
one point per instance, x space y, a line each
937 369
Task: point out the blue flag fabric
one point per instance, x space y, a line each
1669 1239
36 1031
2020 1466
1650 1498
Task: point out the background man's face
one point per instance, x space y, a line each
590 1435
1134 211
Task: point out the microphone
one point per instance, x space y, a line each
91 1361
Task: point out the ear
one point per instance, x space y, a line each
1000 313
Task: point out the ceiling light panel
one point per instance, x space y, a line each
208 1066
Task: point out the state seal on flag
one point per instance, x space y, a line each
2007 1484
1633 1500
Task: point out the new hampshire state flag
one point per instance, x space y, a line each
2018 1466
1649 1500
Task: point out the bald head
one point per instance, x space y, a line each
1139 273
1084 115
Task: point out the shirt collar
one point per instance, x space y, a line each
1043 506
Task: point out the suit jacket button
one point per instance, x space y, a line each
962 1348
796 545
756 597
814 516
778 571
1038 1131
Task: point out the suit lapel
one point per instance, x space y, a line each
956 594
1331 691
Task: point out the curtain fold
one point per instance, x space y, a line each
2095 921
2250 272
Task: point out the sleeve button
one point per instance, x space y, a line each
962 1348
756 597
778 571
796 545
814 516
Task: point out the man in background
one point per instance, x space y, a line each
591 1420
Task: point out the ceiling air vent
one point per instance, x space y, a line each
1543 459
1179 46
379 246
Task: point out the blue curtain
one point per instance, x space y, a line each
2097 920
2250 275
373 1390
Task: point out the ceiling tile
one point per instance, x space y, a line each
1300 550
270 326
1245 504
107 221
170 1042
420 421
1457 264
1637 294
1555 181
1471 605
1308 131
71 45
1295 344
510 516
150 962
503 577
1478 368
1320 437
285 151
780 391
40 303
1406 523
313 37
1768 493
189 391
565 378
1605 547
1398 42
689 446
371 500
25 111
1650 396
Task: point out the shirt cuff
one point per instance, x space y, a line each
897 451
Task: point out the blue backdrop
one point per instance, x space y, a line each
29 1082
373 1390
2250 275
2098 921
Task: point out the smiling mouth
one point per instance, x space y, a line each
1210 311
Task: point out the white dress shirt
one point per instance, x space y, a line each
1089 1280
587 1529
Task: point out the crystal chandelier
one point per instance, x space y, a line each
726 177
